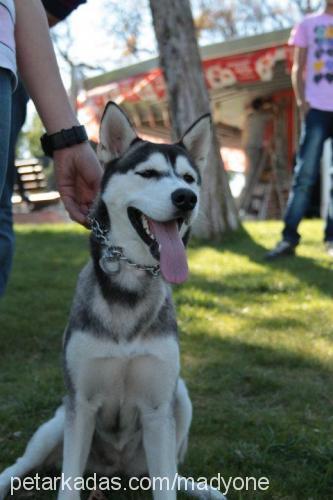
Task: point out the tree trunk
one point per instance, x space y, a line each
188 99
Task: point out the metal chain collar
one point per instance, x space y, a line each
109 262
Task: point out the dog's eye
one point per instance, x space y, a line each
148 174
188 178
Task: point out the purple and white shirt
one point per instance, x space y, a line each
315 33
7 39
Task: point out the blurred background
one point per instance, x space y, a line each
107 51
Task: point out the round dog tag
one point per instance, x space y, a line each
109 266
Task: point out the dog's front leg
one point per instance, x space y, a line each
79 429
159 440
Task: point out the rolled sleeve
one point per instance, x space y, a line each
7 38
61 8
298 36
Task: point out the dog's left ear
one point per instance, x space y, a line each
198 139
116 133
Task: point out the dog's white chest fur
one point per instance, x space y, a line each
120 381
138 372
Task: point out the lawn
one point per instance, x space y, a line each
257 352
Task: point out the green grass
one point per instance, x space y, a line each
257 349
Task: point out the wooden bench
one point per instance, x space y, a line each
31 185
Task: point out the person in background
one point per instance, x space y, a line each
259 113
312 79
77 169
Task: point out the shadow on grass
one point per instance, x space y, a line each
258 411
75 252
305 269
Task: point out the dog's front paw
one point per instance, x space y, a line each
212 494
3 491
96 495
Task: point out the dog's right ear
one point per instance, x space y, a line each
115 135
198 139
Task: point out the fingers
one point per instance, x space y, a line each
77 199
79 175
85 209
74 211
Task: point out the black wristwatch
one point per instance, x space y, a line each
63 139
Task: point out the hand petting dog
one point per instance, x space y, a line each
78 173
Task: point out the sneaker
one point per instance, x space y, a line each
283 249
329 248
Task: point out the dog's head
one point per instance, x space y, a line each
150 192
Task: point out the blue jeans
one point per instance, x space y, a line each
5 123
318 127
15 121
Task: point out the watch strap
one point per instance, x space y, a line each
63 139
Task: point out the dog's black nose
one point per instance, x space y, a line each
184 199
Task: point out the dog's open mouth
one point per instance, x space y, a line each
165 244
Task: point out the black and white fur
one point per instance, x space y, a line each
127 409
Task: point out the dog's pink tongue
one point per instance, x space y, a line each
173 262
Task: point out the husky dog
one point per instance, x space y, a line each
127 409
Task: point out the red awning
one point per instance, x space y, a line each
220 73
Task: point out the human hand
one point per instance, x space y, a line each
78 174
303 107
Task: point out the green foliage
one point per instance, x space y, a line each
257 349
29 140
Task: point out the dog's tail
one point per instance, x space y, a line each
198 490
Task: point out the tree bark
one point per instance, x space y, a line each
188 99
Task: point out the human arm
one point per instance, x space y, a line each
77 169
297 78
38 67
